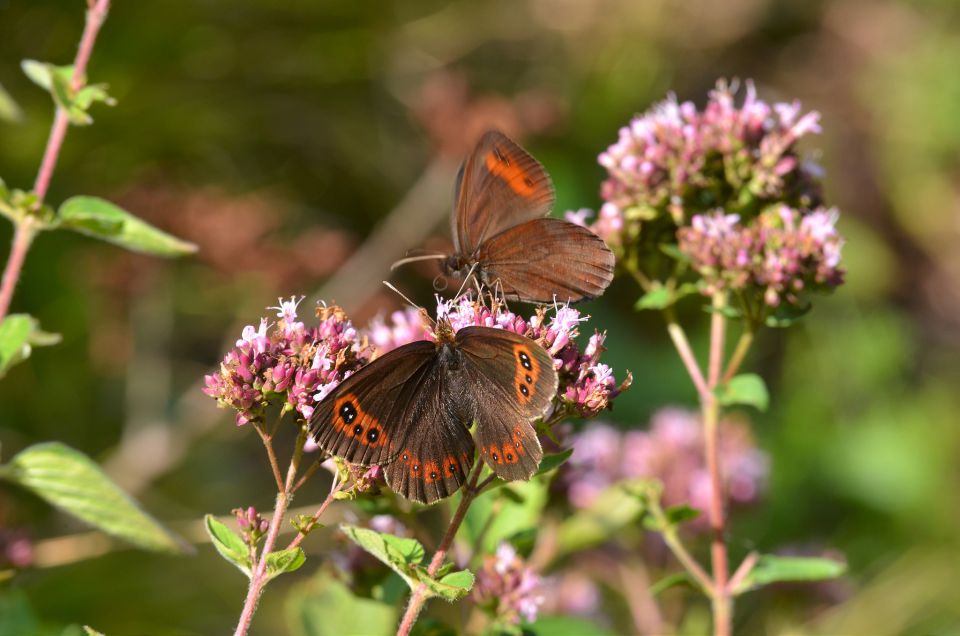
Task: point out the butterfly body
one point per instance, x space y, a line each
504 238
412 409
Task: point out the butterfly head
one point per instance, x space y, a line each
456 265
444 332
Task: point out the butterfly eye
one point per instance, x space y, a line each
528 379
524 390
372 435
357 430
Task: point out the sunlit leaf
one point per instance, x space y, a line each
229 544
748 389
283 561
398 553
777 569
565 626
324 606
19 333
451 587
553 460
72 482
677 579
57 80
9 110
103 220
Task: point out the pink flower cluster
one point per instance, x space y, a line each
675 158
587 386
783 253
508 587
672 452
287 360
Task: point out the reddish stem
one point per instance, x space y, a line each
96 14
722 603
24 232
22 237
419 596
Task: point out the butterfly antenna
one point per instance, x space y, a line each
414 259
466 279
410 302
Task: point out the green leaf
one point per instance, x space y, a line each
676 579
399 554
673 251
657 298
747 388
72 482
229 544
787 314
662 296
283 561
19 333
567 626
613 510
89 631
58 80
323 606
776 569
451 587
103 220
728 311
681 513
553 460
9 111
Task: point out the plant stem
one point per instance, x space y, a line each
22 237
25 230
297 540
673 542
679 338
96 14
419 596
721 601
258 578
271 454
739 353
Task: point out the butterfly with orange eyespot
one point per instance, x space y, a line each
411 410
504 238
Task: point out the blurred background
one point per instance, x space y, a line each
304 146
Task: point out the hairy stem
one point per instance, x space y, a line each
258 578
96 14
22 237
271 454
722 601
679 338
672 539
739 353
25 230
419 596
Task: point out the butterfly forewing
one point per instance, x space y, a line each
397 412
547 260
500 185
517 381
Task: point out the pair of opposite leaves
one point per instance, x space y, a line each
410 410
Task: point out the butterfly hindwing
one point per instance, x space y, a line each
500 185
544 260
516 380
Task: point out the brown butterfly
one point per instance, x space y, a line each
503 239
410 411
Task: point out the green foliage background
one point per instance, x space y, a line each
277 135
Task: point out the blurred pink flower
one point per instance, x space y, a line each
508 587
670 451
